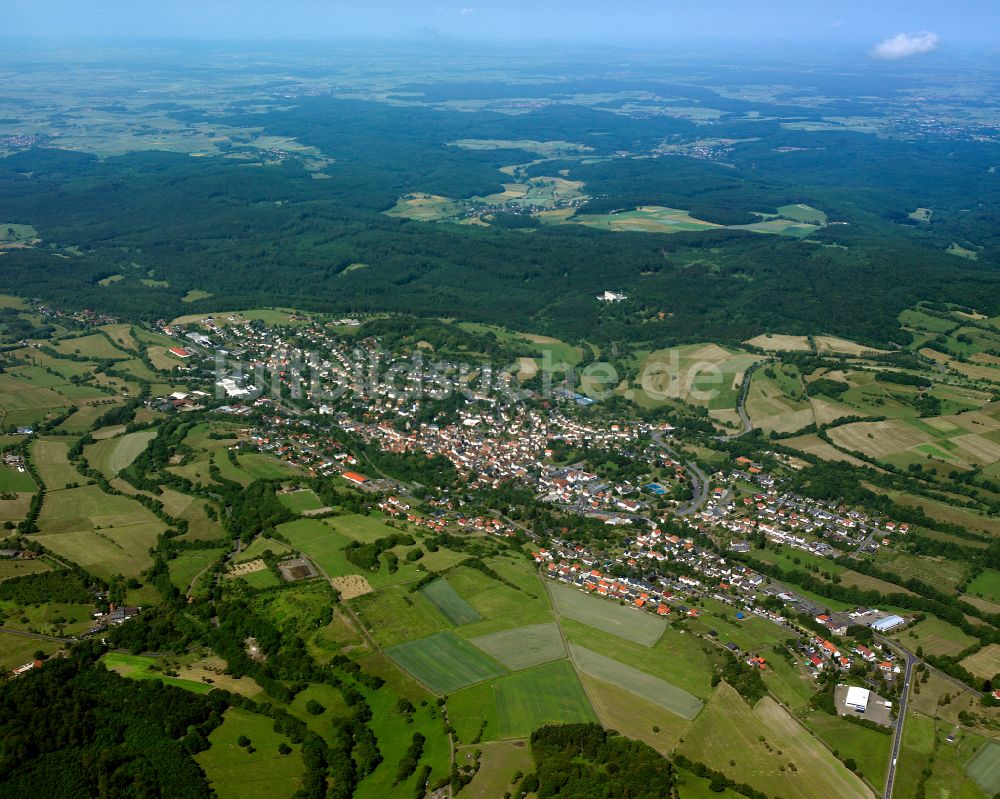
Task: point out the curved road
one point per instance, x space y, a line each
699 482
741 406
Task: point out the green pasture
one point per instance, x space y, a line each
444 662
610 617
523 647
547 694
16 481
447 600
301 500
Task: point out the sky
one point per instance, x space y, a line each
888 29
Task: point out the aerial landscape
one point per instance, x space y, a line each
509 402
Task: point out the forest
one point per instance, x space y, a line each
168 224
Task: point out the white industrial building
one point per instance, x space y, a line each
857 699
887 623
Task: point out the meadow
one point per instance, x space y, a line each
936 637
871 750
499 762
633 716
112 455
986 584
301 500
49 457
232 769
984 768
985 663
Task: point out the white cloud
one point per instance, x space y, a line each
904 45
466 11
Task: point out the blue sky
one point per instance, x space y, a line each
955 24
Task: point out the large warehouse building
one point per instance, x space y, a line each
857 699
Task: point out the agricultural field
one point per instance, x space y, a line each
625 622
230 768
547 694
985 663
777 400
933 570
702 374
936 637
729 732
773 342
950 442
501 606
633 716
444 662
16 481
93 345
16 650
523 647
259 546
643 685
447 600
51 618
678 657
984 768
24 403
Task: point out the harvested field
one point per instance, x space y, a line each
780 343
351 585
814 445
985 663
633 716
247 567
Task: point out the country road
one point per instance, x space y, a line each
699 481
741 407
897 741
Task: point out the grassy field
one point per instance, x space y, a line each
16 650
299 501
112 455
744 743
499 762
232 770
984 768
789 683
931 570
322 543
447 600
637 682
259 546
49 618
985 663
94 346
394 615
19 568
678 658
936 637
137 667
523 647
50 458
113 550
633 716
547 694
444 662
501 606
986 584
610 617
13 480
189 563
871 750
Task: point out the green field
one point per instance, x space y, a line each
112 455
259 546
501 606
137 667
444 662
94 346
499 762
523 647
986 584
49 457
232 771
13 480
984 768
394 615
936 637
547 694
643 685
299 501
625 622
16 650
871 750
678 658
18 568
450 603
325 546
189 563
757 745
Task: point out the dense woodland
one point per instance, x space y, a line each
275 236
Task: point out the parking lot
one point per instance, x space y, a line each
877 711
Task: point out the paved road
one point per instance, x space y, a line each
911 661
741 407
699 482
38 636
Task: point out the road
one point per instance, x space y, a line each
699 482
741 407
911 661
37 636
